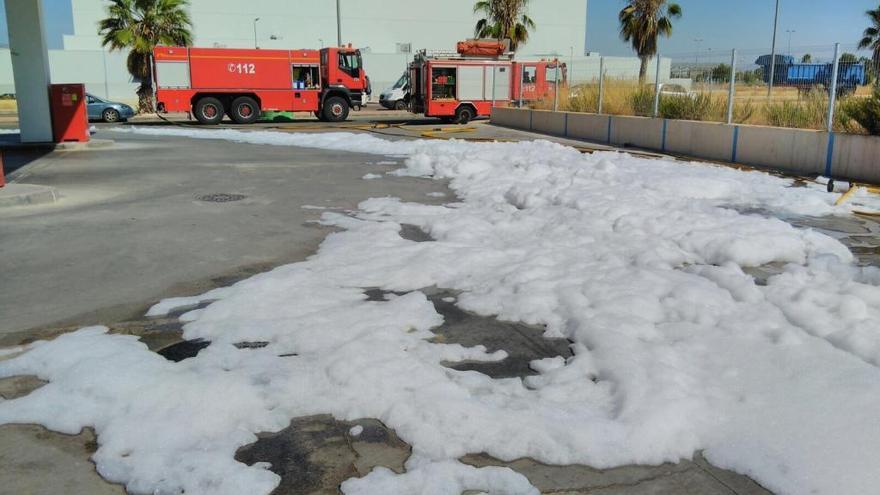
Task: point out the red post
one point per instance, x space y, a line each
70 121
2 173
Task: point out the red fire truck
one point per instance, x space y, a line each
481 74
241 83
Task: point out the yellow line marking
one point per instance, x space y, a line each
843 198
239 57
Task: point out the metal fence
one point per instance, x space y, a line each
804 86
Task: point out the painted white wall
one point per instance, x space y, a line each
376 26
81 66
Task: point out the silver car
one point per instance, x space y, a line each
107 111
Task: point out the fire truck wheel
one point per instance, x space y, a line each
209 111
335 109
463 115
320 116
245 110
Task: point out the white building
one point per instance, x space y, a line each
387 31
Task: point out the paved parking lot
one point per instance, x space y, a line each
149 218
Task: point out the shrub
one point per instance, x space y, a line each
699 107
743 112
809 113
583 98
864 111
642 101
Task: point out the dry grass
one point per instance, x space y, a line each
788 107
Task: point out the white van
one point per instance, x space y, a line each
396 97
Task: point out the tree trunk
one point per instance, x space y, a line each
643 70
145 92
145 98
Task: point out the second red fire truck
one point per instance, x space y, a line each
243 83
481 74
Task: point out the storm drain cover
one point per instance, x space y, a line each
221 197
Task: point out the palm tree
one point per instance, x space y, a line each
871 38
504 19
140 25
642 22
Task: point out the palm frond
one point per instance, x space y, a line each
139 26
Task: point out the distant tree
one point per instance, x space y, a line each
871 38
721 73
747 77
849 58
139 26
806 59
642 22
504 19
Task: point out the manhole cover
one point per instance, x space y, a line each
221 197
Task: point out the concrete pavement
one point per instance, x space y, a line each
150 218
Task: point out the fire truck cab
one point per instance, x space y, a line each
242 83
481 74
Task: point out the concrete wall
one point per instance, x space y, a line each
797 151
703 139
640 132
857 156
794 150
549 122
378 24
381 28
589 126
104 73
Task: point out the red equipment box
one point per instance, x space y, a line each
70 119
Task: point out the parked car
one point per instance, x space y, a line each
108 111
396 97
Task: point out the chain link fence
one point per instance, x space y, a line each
811 87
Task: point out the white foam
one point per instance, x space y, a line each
639 262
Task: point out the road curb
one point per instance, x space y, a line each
26 195
71 146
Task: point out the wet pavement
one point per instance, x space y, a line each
313 455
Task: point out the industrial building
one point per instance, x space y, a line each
387 31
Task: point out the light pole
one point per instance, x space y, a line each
697 56
338 25
321 41
790 32
773 52
255 32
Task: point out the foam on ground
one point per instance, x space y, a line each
639 262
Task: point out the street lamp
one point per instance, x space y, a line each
697 56
321 41
255 32
338 25
790 32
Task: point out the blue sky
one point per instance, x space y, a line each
59 21
743 24
723 24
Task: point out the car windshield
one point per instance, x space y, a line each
404 79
